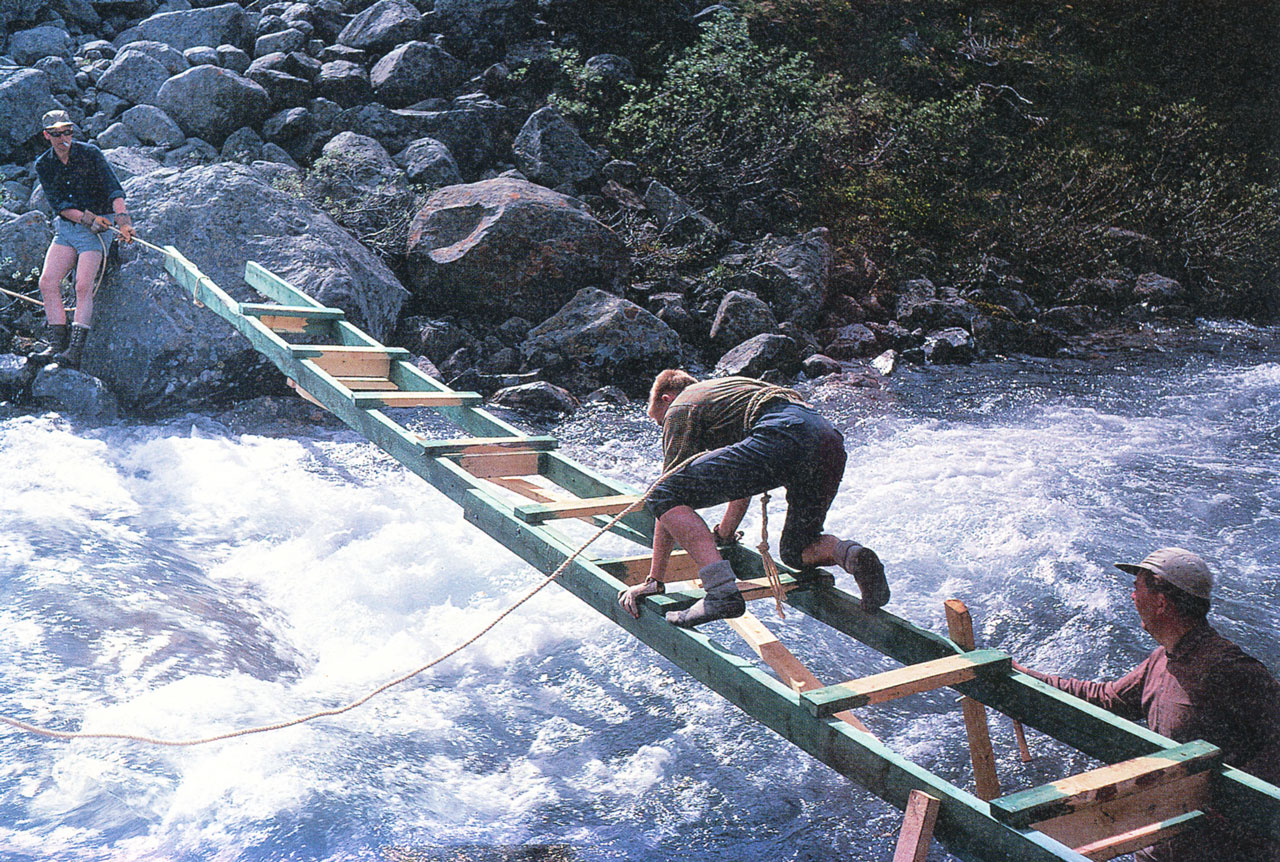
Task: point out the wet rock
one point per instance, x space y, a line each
67 390
158 351
852 342
24 239
1003 336
536 397
922 305
210 103
428 162
382 25
225 24
1071 318
741 315
1157 290
599 338
24 99
503 244
756 356
797 271
415 71
819 365
949 346
549 151
150 125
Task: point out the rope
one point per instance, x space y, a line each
327 713
770 567
22 296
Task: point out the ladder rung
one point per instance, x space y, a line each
342 360
1077 792
907 680
633 570
376 400
483 445
1136 839
367 384
537 513
266 309
311 351
501 464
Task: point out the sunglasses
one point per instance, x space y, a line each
62 134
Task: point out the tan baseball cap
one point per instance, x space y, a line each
57 119
1177 566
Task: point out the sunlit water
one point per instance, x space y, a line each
177 579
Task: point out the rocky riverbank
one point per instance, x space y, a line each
400 160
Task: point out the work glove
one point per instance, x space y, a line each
87 218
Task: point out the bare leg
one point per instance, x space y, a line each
691 532
58 261
86 277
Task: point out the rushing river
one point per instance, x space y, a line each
178 579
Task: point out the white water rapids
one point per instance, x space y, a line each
177 579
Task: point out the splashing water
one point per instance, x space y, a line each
177 579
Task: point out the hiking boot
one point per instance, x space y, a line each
867 570
55 336
723 600
70 358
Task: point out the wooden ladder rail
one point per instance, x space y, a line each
966 826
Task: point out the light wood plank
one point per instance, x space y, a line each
633 570
760 588
917 827
367 384
378 400
911 679
576 509
485 445
1107 820
960 628
305 312
344 361
304 393
501 464
1137 839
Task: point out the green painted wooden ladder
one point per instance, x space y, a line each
1153 788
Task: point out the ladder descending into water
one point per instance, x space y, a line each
515 487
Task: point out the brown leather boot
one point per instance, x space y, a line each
70 358
55 336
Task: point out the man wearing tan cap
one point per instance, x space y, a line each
80 186
1195 685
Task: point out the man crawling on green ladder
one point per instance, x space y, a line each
753 437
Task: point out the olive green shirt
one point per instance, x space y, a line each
716 413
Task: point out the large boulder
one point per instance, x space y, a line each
156 349
429 162
922 305
69 390
741 315
506 244
482 29
150 125
24 98
24 239
210 103
415 71
173 60
385 23
758 354
467 130
344 82
599 338
549 151
226 24
134 77
355 172
797 271
28 46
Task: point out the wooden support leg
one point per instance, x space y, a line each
917 827
960 626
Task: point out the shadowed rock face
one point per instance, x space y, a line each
507 246
154 348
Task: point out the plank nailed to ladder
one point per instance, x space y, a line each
500 464
367 384
536 514
341 360
264 309
376 400
1136 839
1072 794
483 445
907 680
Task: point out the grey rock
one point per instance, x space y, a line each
27 46
24 239
134 77
203 55
285 41
130 162
415 71
428 162
225 24
482 29
886 363
98 49
382 25
607 395
536 397
549 151
503 244
289 125
62 78
740 316
233 58
243 146
174 61
1071 318
436 339
117 135
157 350
355 169
675 217
24 99
210 103
13 197
922 305
623 173
1157 290
949 346
467 131
1001 336
820 365
1106 292
344 82
610 69
672 310
277 154
759 354
853 341
151 125
70 391
797 271
599 338
1018 303
79 12
194 152
16 374
285 90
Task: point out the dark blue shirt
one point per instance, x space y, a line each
85 182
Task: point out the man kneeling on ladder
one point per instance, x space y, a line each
80 185
741 437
